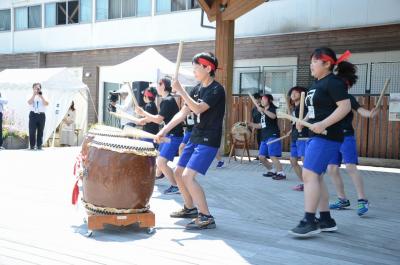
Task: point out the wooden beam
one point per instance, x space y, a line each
210 8
224 44
237 8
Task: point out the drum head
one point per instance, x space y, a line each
240 129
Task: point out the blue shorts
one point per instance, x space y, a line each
348 152
197 157
319 152
186 137
169 150
298 148
274 149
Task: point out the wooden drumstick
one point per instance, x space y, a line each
280 138
124 115
245 113
137 133
130 93
378 104
294 119
301 113
253 99
178 59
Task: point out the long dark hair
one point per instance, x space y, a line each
72 107
295 88
345 70
167 83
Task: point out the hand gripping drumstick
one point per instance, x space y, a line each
301 113
136 133
294 119
124 115
253 99
378 104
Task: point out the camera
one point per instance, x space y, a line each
40 92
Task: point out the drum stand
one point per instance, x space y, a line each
235 144
97 222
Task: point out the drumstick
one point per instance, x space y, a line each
245 113
280 138
124 115
130 93
301 113
378 104
137 133
294 119
253 99
178 59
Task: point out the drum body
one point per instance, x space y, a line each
119 175
240 129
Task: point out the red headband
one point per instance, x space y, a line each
346 55
148 94
206 62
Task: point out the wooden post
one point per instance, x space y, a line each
224 42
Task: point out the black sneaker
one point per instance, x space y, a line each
202 222
269 174
327 225
279 176
305 229
185 213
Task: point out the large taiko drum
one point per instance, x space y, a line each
240 129
99 130
119 175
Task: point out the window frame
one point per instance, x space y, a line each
121 12
66 18
11 25
27 7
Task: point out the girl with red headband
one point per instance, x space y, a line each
328 103
149 96
168 108
269 132
207 101
298 144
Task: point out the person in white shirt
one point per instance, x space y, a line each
126 106
37 117
3 101
68 127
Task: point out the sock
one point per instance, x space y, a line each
362 200
310 217
282 173
325 215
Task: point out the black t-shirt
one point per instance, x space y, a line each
207 129
151 127
269 127
347 122
256 115
295 133
168 109
321 102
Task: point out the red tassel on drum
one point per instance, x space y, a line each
75 193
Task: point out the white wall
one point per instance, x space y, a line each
275 17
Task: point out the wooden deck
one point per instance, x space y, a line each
253 214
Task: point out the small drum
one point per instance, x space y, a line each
119 175
99 130
240 129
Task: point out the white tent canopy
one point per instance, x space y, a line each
148 66
59 85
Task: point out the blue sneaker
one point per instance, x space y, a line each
339 204
172 190
220 164
362 207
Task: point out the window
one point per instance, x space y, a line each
68 12
5 20
246 80
279 79
28 17
166 6
112 9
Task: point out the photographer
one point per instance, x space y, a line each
37 117
126 106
